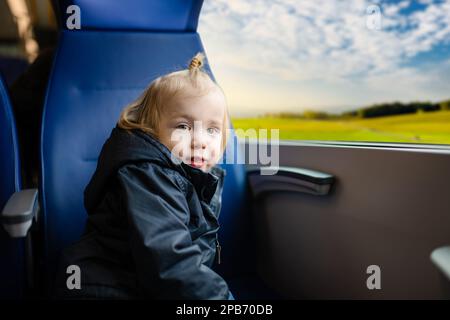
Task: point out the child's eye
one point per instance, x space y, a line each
213 130
183 126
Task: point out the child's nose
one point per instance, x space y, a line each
198 141
199 136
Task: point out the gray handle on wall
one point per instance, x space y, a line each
441 259
290 179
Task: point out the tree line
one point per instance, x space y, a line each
372 111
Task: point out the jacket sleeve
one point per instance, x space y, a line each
168 264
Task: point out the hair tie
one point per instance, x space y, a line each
195 63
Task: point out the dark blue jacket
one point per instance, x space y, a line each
152 226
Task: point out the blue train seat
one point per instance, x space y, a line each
98 69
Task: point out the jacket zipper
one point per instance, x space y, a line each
218 249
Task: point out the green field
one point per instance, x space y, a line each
424 127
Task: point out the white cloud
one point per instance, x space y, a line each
322 40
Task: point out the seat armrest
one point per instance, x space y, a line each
18 213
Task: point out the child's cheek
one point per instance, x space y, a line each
215 151
180 143
212 158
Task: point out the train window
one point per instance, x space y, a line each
334 70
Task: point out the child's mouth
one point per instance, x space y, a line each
197 162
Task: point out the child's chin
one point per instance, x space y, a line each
205 167
198 166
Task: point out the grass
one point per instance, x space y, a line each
424 127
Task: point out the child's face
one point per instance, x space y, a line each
192 128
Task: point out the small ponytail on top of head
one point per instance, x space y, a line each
195 71
196 62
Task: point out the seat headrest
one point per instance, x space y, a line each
149 15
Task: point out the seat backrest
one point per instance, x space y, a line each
121 47
11 250
9 148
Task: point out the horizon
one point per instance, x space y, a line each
333 111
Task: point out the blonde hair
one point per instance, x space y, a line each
144 113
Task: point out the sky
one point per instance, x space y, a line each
293 55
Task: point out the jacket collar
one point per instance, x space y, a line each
205 183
